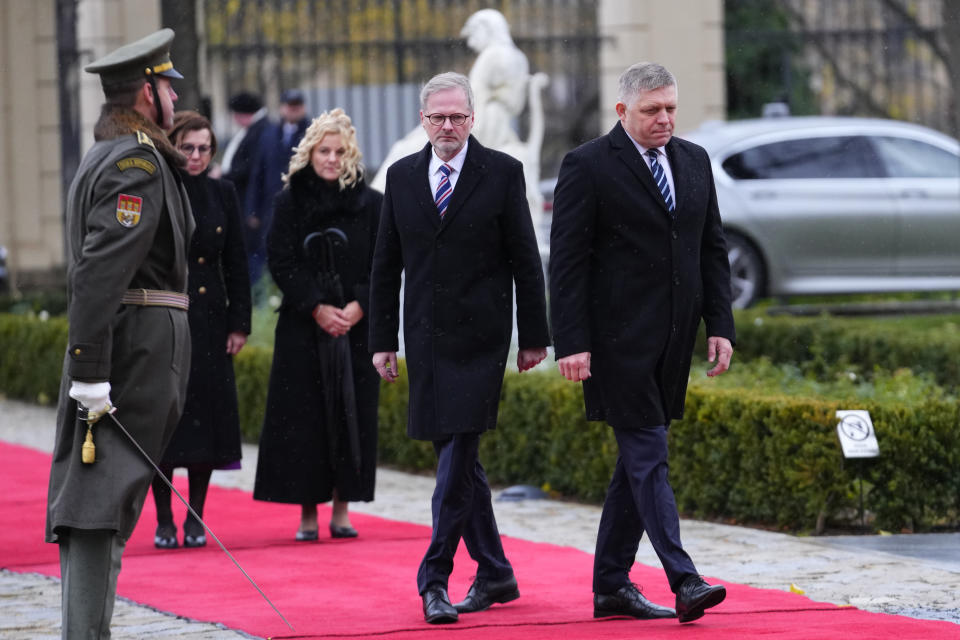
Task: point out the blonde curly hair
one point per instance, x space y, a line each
333 121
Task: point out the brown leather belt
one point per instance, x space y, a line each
155 298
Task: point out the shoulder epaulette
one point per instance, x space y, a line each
143 138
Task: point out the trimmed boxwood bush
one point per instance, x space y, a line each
823 344
746 454
31 357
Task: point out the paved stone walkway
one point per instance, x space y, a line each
828 570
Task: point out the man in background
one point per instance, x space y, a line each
250 116
274 149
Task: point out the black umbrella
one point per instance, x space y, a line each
336 367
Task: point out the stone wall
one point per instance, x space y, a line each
685 36
30 210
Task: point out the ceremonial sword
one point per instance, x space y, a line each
112 414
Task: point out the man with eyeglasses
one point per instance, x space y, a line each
128 230
455 221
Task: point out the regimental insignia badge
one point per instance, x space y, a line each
143 138
128 210
136 163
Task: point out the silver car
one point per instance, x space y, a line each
820 205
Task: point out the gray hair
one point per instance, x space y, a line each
643 76
444 81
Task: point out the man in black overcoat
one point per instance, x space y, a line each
242 150
275 146
637 259
455 220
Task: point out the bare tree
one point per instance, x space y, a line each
951 24
946 49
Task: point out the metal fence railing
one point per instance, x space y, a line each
371 56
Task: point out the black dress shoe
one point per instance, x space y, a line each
165 536
628 601
436 606
194 534
337 531
306 536
484 593
695 595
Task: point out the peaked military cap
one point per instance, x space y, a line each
145 57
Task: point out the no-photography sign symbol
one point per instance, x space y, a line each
857 437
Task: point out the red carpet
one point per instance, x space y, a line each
365 588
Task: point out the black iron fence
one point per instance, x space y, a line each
371 56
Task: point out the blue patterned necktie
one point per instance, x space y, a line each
444 190
661 179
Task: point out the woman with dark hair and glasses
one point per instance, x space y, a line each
208 436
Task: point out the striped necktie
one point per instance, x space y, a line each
661 179
444 190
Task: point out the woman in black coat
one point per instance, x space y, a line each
208 435
306 455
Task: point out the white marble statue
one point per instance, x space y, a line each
502 87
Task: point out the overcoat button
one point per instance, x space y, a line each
202 290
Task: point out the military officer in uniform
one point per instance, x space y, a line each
128 229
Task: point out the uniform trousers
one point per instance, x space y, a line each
89 566
639 499
462 508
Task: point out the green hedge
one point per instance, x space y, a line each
740 456
252 369
777 460
31 357
745 454
822 344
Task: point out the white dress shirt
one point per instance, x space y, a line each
456 166
664 162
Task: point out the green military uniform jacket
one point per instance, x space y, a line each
128 227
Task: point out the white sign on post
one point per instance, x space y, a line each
857 436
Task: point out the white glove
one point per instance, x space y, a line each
94 396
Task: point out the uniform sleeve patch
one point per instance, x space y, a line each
143 138
136 163
128 210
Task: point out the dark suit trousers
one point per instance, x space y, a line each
639 499
462 507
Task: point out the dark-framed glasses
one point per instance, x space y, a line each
437 119
188 149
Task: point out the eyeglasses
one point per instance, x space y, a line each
437 119
188 149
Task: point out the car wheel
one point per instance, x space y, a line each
747 272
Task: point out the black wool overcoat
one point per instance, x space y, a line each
458 293
630 282
219 289
294 464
